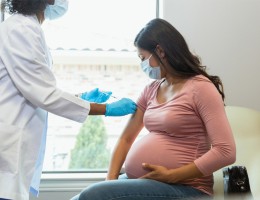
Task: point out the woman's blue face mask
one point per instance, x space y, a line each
57 10
152 72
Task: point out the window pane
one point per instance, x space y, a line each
100 24
1 11
92 46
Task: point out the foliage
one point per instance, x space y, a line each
90 149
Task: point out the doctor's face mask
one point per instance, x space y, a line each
57 10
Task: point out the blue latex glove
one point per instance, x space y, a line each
96 96
121 107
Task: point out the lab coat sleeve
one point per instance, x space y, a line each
26 60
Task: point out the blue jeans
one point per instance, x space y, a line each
139 189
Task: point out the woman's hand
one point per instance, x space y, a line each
158 173
162 174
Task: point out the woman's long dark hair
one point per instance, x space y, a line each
183 63
25 7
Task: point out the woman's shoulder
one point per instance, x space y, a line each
151 87
199 81
154 84
200 78
199 85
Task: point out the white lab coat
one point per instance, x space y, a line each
27 92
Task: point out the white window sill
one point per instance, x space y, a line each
69 181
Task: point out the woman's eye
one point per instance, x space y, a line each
141 58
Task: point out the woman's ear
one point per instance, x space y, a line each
51 2
159 51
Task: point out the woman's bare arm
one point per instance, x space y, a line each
125 141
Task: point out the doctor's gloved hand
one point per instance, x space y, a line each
121 107
96 96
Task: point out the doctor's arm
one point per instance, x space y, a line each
121 107
27 61
124 143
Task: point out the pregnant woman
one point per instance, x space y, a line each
189 134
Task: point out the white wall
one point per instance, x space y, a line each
226 35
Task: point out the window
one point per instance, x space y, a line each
92 46
1 11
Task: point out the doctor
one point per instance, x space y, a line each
28 91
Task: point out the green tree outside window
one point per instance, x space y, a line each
90 150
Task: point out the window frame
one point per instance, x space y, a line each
71 182
48 176
158 10
48 173
2 13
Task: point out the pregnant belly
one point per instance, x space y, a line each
154 148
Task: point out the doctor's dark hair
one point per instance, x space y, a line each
183 63
25 7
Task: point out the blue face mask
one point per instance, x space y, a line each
152 72
55 11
